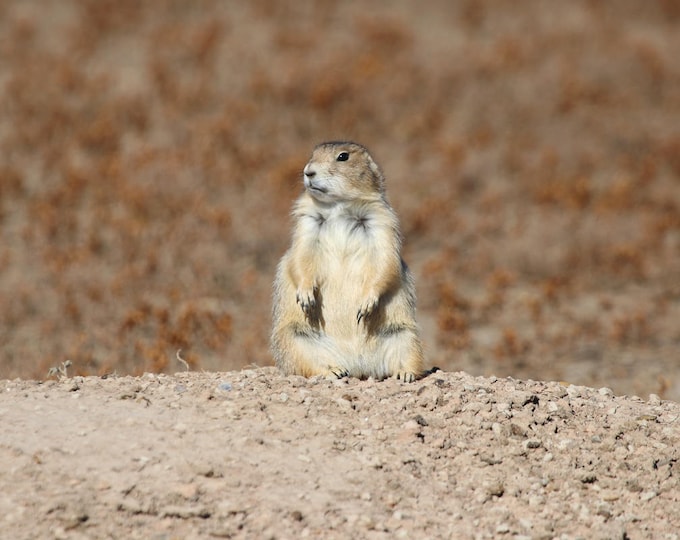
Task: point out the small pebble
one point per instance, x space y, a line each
410 425
495 489
610 496
604 510
184 512
536 500
589 478
503 528
648 496
574 391
566 444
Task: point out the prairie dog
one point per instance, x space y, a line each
344 300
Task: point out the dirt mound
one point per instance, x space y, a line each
252 454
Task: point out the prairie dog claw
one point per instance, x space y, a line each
306 299
367 308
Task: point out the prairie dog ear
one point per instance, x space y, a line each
369 171
379 179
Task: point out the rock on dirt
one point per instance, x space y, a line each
253 454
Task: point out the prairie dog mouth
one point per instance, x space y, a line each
314 188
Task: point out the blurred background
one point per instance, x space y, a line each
150 153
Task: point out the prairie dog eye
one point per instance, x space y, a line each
342 156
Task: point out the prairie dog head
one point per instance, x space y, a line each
342 171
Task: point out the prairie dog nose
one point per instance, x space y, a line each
309 172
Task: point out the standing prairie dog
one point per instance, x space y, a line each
344 300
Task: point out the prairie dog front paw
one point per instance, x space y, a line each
367 307
306 298
336 372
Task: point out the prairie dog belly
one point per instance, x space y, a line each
345 250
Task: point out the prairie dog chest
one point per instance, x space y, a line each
342 235
346 235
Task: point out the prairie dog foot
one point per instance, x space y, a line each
335 372
406 376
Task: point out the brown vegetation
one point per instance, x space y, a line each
150 152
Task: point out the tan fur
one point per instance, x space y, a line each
344 301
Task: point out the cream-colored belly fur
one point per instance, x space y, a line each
345 255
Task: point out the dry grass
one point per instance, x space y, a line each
150 152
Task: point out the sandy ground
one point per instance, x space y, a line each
253 454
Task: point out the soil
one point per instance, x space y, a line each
254 454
